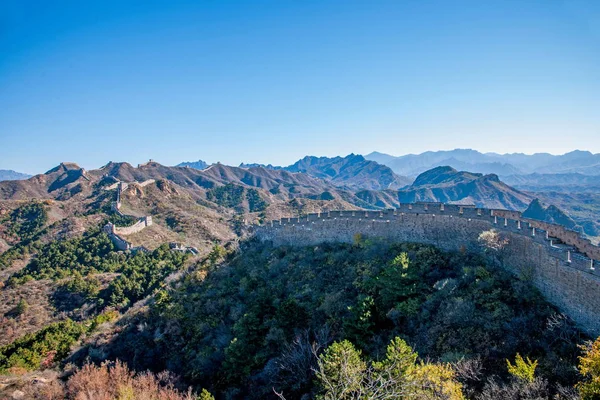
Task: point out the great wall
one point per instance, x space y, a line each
560 263
116 233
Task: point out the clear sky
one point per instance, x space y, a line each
272 81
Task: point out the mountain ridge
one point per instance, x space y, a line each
352 171
10 175
447 185
577 161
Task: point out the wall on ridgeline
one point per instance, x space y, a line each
118 241
115 232
563 266
135 228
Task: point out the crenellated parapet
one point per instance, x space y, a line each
135 228
504 220
565 266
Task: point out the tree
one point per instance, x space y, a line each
340 371
342 374
357 239
216 254
522 369
589 367
437 381
21 307
360 324
398 281
205 395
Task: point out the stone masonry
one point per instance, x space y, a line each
562 265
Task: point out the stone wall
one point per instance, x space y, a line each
563 266
115 232
118 241
135 228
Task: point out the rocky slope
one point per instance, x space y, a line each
567 182
551 214
353 171
447 185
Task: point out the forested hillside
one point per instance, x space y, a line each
289 319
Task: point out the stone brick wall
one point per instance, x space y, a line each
118 241
115 232
562 265
135 228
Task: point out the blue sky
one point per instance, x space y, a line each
272 81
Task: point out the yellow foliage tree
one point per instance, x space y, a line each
437 381
589 367
522 369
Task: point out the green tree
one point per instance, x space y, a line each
359 326
216 254
399 359
340 371
22 307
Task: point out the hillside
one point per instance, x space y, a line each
352 171
447 185
551 214
582 207
63 181
181 199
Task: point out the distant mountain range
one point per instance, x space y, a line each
194 164
554 182
355 181
582 162
351 180
10 175
352 171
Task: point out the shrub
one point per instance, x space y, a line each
114 381
45 346
255 202
22 307
522 369
229 195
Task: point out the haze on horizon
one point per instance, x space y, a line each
271 82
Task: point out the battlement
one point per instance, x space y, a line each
566 266
504 220
135 228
